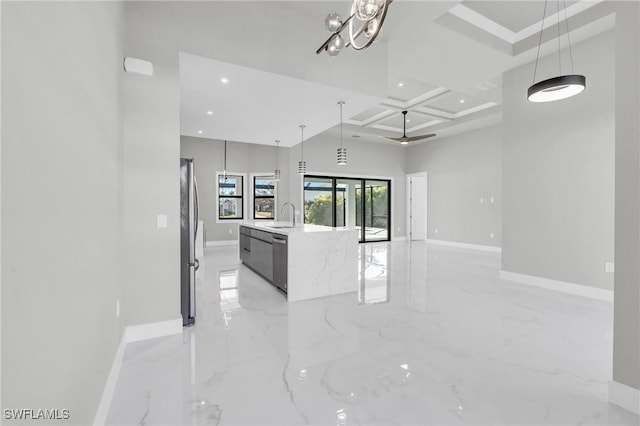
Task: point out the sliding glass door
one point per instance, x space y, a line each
318 201
376 210
361 204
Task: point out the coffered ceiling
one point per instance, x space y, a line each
441 61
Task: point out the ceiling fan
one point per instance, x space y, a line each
406 139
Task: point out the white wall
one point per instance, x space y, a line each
61 177
151 178
364 159
626 324
461 170
558 172
208 155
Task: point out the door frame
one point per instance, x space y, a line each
408 204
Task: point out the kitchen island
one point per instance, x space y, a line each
304 262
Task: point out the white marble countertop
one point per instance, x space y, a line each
271 226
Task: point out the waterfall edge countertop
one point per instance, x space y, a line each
322 260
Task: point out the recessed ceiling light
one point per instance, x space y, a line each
224 80
400 84
199 132
461 101
209 112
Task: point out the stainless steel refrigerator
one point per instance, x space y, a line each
188 229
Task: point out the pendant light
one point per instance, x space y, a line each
276 173
224 173
302 165
342 152
562 86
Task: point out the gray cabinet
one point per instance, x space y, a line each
266 254
245 245
262 258
280 254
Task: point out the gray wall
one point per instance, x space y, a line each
461 170
626 323
151 178
208 155
61 176
364 159
558 172
320 154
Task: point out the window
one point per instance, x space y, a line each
264 197
363 204
230 197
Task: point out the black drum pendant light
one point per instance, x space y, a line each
562 86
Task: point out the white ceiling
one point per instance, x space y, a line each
434 55
257 106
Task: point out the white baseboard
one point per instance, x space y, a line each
565 287
624 396
398 239
133 333
110 386
222 243
492 249
136 333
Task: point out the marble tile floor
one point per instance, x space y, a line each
433 337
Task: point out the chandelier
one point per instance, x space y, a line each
364 25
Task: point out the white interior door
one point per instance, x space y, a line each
417 207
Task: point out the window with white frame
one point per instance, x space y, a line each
230 195
264 197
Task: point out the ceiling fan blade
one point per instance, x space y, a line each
417 138
397 139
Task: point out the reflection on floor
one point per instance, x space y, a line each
432 337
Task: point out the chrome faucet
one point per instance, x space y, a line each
293 213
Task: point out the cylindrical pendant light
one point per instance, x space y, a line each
276 173
342 151
224 172
302 165
561 86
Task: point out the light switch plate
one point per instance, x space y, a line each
161 221
609 267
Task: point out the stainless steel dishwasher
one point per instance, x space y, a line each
280 254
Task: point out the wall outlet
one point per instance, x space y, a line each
118 308
481 200
492 200
437 231
230 231
609 267
491 235
161 221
